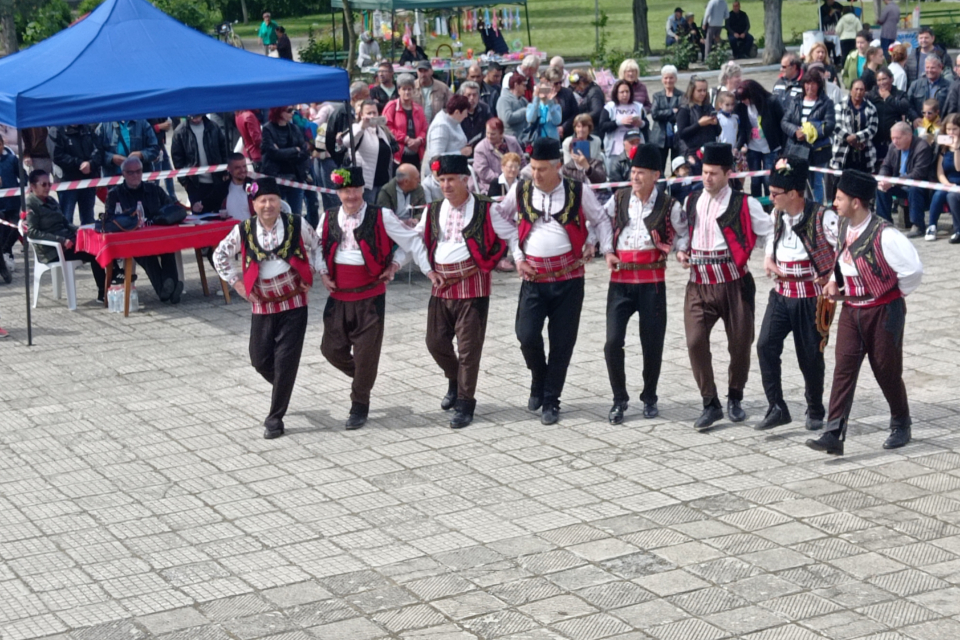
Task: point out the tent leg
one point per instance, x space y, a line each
26 254
526 13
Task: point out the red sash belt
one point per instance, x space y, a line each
356 277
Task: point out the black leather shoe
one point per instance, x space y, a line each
813 424
828 442
357 417
451 398
464 414
167 289
711 414
534 403
4 272
177 292
734 412
616 412
550 415
955 238
270 434
898 437
776 416
650 410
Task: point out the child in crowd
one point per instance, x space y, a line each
730 131
680 190
929 127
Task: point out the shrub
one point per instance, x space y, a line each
680 54
42 21
193 13
719 53
313 51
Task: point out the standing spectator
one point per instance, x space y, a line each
529 68
565 98
818 53
928 47
829 14
490 89
385 90
512 107
197 142
697 122
892 106
267 34
160 127
475 73
764 136
369 147
429 92
77 152
35 152
407 123
445 135
9 209
908 157
898 57
714 17
488 155
630 72
592 100
931 85
731 75
674 23
284 46
475 124
412 53
545 112
948 174
127 139
953 95
285 154
874 62
666 104
809 122
853 137
889 20
623 114
582 132
340 121
847 29
368 51
248 124
856 60
585 167
790 83
738 32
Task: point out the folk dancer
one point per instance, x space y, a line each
363 246
552 212
464 242
724 227
278 255
801 259
647 222
876 267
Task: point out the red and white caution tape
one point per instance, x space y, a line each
115 180
906 182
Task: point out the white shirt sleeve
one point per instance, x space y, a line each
762 223
678 218
311 242
407 239
769 247
507 209
322 266
506 230
223 256
831 227
902 257
598 219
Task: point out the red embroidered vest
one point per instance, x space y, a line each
734 223
291 250
570 214
376 246
485 246
658 222
810 232
876 274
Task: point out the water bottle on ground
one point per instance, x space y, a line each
134 300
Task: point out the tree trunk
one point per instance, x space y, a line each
641 30
351 37
243 8
773 48
877 8
9 28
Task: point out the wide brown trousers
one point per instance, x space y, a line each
356 326
465 320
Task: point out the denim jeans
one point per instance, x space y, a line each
85 198
816 185
370 195
916 199
330 200
163 164
952 200
294 198
756 161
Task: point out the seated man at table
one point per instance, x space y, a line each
231 193
126 197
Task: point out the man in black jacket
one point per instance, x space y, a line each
620 166
738 32
917 165
475 124
198 142
76 150
386 89
341 120
490 88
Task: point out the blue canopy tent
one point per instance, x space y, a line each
129 60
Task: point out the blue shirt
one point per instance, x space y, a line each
904 155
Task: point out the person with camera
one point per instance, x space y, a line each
370 146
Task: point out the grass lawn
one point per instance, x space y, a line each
562 27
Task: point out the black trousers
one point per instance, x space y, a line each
799 316
99 275
159 269
276 341
8 235
649 301
560 303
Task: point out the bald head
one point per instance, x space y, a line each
408 177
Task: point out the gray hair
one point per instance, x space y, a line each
356 88
730 69
469 84
131 163
902 127
557 61
669 70
406 80
530 62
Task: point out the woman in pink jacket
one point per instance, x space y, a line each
407 122
487 155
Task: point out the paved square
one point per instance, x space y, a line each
138 499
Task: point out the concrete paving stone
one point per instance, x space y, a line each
691 628
670 582
704 602
354 628
160 623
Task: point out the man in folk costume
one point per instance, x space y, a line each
724 227
464 241
647 222
363 246
553 212
876 267
801 259
278 255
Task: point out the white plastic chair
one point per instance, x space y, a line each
64 268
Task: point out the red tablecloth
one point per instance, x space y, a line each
151 241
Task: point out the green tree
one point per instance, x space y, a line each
773 48
193 13
641 29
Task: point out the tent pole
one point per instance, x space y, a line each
333 23
526 13
26 252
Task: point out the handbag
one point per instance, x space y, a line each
797 150
126 221
169 215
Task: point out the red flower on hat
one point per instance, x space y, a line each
633 152
252 189
435 166
336 178
529 149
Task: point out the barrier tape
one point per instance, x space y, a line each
115 180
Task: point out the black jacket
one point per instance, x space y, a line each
409 58
45 221
72 146
893 109
149 194
920 165
490 94
691 135
769 121
662 113
593 102
475 124
568 110
953 99
184 151
823 112
341 119
379 95
284 152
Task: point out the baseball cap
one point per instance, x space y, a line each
424 64
631 134
678 162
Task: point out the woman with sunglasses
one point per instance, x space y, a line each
285 154
45 221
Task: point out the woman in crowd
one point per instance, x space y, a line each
591 95
666 104
809 122
584 167
45 221
731 75
696 122
948 173
623 114
853 137
445 135
407 123
370 147
630 72
892 106
582 132
875 60
510 165
898 58
490 152
545 112
819 53
512 106
765 138
285 153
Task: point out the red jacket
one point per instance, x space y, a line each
397 123
249 127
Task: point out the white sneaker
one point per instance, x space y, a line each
931 234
